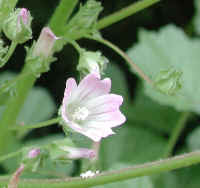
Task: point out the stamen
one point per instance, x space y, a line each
81 113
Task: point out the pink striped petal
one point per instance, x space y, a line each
104 103
112 119
90 87
70 87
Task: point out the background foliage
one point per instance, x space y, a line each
163 37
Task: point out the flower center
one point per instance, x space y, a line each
80 114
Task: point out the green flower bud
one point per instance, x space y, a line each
45 43
91 62
33 158
17 27
168 81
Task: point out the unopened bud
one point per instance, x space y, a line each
17 27
33 153
92 62
45 43
77 153
168 81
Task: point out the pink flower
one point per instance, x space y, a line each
34 153
45 43
24 15
89 108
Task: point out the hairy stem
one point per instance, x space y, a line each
146 169
9 54
125 12
38 125
61 15
126 58
176 133
10 155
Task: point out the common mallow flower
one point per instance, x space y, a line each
89 108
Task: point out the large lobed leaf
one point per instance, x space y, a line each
170 48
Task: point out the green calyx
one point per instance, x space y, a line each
85 19
92 62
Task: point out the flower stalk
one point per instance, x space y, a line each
125 12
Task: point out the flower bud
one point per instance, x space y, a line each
33 153
17 27
77 153
91 62
168 81
45 43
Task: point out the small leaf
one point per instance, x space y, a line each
85 19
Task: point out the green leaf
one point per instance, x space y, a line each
143 182
134 145
119 84
193 141
144 111
170 47
188 177
165 180
38 107
196 19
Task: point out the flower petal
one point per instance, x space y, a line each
70 87
104 103
111 119
90 87
97 134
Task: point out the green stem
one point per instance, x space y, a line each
146 169
61 15
38 125
176 133
9 54
10 155
126 57
125 12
